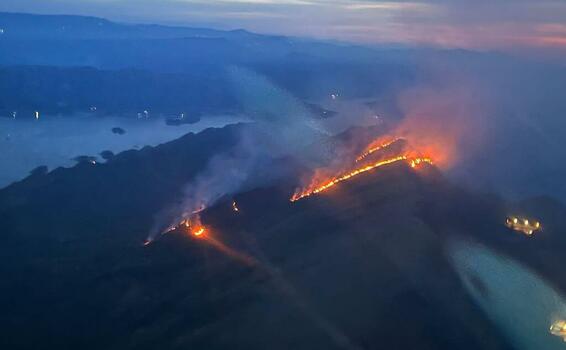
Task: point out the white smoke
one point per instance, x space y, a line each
282 126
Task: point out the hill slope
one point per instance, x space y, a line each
360 266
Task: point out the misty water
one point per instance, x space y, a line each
55 141
521 304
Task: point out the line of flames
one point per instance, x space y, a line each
196 229
378 148
193 226
413 162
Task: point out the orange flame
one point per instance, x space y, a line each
195 227
411 157
374 148
198 231
418 161
326 185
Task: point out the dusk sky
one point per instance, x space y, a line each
482 24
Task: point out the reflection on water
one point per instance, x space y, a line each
55 141
522 305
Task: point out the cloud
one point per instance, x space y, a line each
480 24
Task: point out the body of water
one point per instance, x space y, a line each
55 141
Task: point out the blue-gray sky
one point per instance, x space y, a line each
480 24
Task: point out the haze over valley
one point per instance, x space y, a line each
386 175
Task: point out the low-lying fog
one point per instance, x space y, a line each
55 141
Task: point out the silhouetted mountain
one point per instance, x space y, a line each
68 64
362 265
179 49
30 26
53 90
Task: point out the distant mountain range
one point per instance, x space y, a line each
68 64
30 26
77 40
129 92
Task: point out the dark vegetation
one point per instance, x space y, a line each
359 264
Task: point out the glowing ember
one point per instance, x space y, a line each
198 231
195 227
418 161
374 149
523 225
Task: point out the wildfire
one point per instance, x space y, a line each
411 157
195 227
326 185
381 146
192 225
198 231
418 161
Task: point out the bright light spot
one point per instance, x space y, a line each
558 329
523 225
198 231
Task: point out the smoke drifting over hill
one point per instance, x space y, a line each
283 127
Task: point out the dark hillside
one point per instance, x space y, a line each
349 268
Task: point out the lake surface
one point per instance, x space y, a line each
55 141
520 303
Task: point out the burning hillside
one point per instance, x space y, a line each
257 263
378 146
190 222
363 163
195 226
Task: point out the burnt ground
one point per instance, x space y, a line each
361 266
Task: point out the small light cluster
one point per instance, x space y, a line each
525 226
